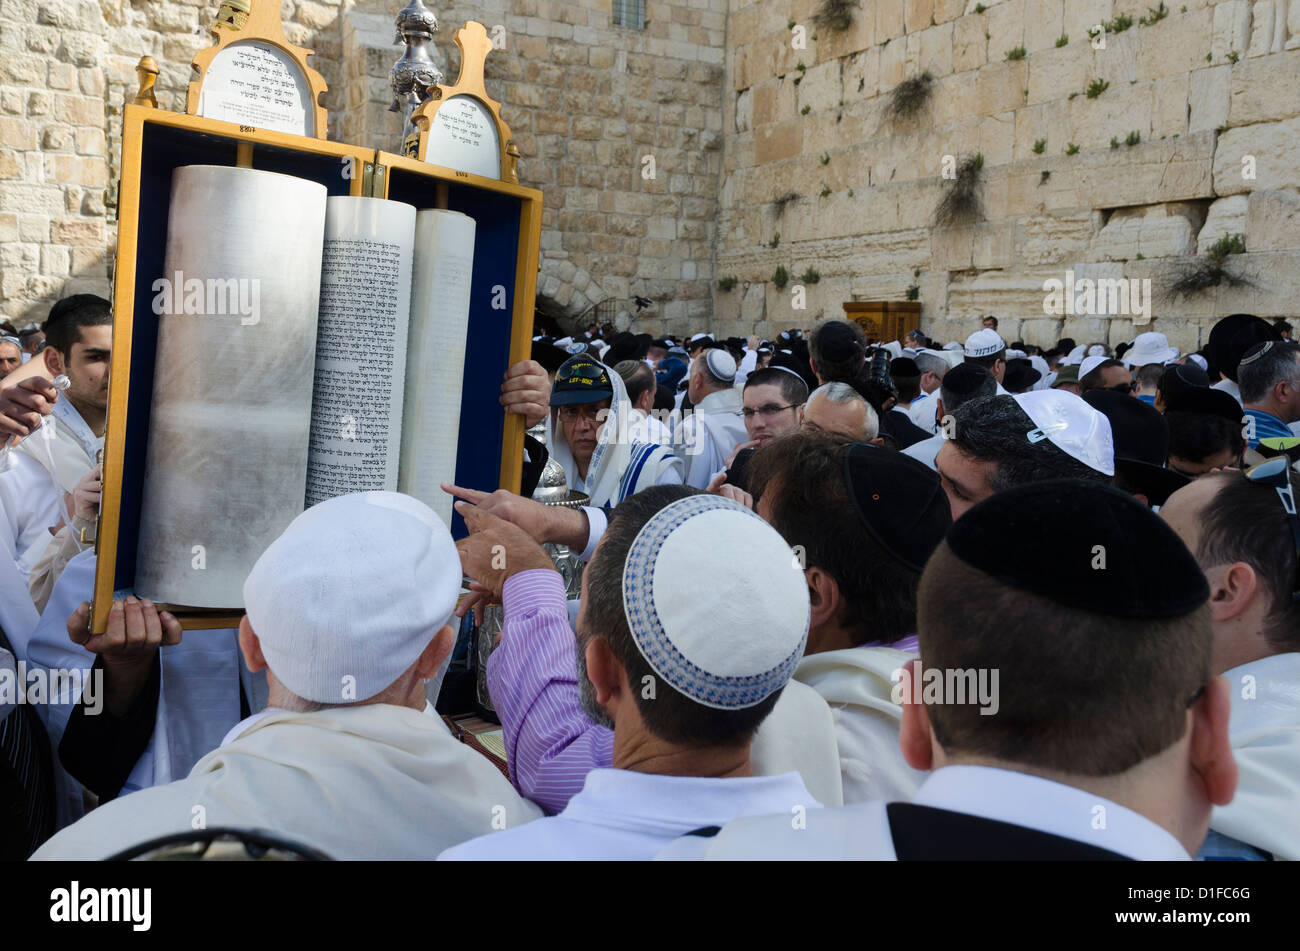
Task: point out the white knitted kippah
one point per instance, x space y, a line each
347 598
716 602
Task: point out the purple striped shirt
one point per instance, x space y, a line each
533 678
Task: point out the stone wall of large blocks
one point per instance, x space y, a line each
1207 95
587 102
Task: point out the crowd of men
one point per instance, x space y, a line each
841 599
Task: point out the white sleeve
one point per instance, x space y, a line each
747 364
30 503
596 522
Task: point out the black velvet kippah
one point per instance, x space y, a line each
900 502
1204 400
837 341
1082 545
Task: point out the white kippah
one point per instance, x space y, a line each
356 587
1072 425
717 604
984 343
721 364
1089 364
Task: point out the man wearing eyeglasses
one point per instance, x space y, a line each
774 400
1244 532
589 435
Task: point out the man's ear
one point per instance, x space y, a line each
914 734
603 670
1210 751
53 360
250 647
824 595
1232 590
435 652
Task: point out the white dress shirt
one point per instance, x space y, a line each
621 814
862 831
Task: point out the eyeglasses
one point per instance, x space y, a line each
1276 472
766 412
1124 387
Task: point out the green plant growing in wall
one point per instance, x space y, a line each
1233 56
980 8
826 190
780 277
776 239
1071 149
909 97
963 201
1097 87
1210 269
1155 14
1062 40
1133 139
1119 24
810 276
835 14
726 283
1039 146
914 292
826 158
805 110
1016 53
1114 142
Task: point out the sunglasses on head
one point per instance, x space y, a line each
580 371
1276 472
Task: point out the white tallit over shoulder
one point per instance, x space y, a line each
375 781
857 685
1264 732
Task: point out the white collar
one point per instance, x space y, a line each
1020 799
675 804
242 727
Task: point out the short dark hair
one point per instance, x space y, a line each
988 362
68 316
1079 692
841 369
992 318
965 382
1149 375
1197 436
1264 366
995 429
1093 381
793 389
1246 522
908 387
638 378
802 476
669 714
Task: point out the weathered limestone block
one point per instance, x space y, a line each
1273 221
1231 28
1273 146
1053 239
1226 216
1265 89
1209 98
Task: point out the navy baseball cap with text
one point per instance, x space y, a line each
581 379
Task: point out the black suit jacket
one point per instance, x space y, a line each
923 833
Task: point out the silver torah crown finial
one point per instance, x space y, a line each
413 74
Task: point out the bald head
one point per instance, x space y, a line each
838 408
